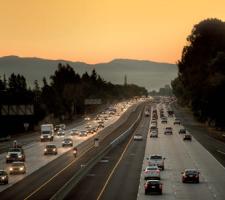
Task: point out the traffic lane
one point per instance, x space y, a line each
213 173
34 153
24 188
202 134
177 159
54 185
125 180
89 187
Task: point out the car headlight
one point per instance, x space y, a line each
10 169
42 136
49 136
7 156
21 168
54 149
20 156
45 149
3 177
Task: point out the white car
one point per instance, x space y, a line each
154 134
157 160
138 137
152 172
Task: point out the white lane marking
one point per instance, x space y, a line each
220 152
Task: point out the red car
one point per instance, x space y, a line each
190 175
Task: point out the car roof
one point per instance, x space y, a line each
153 181
190 170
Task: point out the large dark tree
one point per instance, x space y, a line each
201 77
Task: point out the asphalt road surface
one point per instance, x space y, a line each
179 155
125 160
44 182
202 134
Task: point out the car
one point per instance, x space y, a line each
177 122
50 149
182 131
74 132
61 133
157 160
87 118
60 126
164 120
15 154
168 131
83 133
187 137
154 122
101 125
153 127
17 168
153 186
152 172
154 134
190 175
67 142
4 178
138 137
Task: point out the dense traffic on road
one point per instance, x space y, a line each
20 161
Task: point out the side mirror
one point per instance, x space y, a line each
164 158
182 172
147 158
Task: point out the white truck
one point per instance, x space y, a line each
47 132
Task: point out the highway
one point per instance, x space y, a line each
51 173
202 134
116 176
180 155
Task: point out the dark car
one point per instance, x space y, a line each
15 154
4 178
190 175
50 149
187 137
182 131
67 142
153 186
177 122
168 131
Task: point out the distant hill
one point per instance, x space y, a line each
151 75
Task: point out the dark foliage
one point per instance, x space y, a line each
201 78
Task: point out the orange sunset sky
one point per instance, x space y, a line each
100 30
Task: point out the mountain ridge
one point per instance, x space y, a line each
149 74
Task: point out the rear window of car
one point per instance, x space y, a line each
51 146
191 172
156 157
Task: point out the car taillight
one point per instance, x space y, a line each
158 171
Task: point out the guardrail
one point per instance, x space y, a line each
65 190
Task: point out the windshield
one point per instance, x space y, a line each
15 150
46 132
3 173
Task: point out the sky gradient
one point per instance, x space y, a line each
96 31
